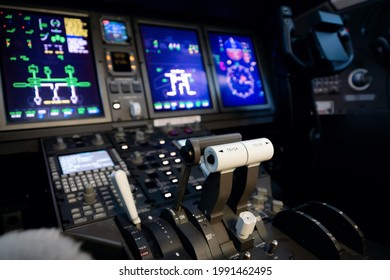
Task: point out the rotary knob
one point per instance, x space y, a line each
359 79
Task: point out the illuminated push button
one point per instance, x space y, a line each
116 105
175 180
167 195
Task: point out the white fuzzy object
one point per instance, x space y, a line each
40 244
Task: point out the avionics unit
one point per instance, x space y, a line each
124 83
238 77
177 81
48 71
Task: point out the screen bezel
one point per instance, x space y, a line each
145 74
106 116
269 106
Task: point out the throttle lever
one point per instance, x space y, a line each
191 154
121 184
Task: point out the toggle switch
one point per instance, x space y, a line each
272 247
277 206
60 144
97 140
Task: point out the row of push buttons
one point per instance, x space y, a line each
125 87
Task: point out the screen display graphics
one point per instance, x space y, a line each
47 66
114 31
85 161
175 68
238 78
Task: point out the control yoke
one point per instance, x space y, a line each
326 49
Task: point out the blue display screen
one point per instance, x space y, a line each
47 66
114 31
237 70
177 77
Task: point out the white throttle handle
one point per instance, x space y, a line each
232 155
120 182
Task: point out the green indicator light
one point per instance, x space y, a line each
93 110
